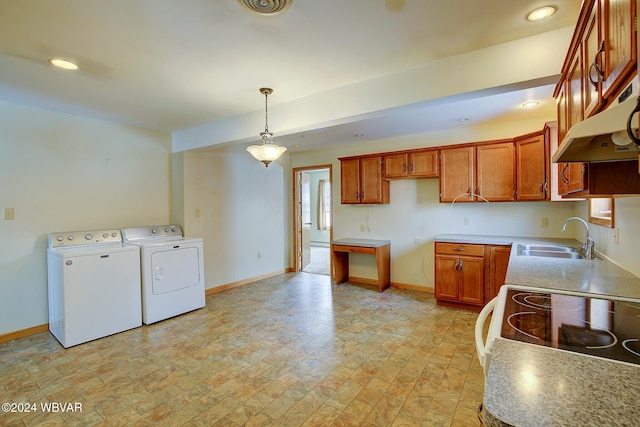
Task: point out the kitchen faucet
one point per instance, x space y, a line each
588 245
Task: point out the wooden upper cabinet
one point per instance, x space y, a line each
395 165
374 189
350 181
457 174
423 164
575 85
531 166
496 172
361 181
619 34
594 60
411 164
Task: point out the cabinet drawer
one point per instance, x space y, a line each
459 249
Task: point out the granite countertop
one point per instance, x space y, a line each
370 243
529 385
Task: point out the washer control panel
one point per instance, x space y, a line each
81 238
152 232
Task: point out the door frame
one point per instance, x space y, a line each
295 172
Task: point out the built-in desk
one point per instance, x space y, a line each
380 248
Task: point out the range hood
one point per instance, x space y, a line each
592 140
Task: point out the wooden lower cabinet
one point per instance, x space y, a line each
469 275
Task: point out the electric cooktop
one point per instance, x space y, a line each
601 327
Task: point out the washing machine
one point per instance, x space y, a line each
94 285
171 268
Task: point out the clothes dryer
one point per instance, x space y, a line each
171 269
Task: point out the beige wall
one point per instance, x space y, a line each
241 209
61 173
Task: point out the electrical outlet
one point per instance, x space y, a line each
544 222
417 241
197 213
362 228
616 236
259 255
9 214
466 221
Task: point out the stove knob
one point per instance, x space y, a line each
88 236
105 235
173 229
114 234
60 238
154 231
166 230
70 238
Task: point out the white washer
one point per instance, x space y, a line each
94 285
172 271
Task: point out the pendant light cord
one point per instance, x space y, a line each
266 113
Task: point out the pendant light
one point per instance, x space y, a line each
267 151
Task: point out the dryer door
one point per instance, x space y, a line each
175 269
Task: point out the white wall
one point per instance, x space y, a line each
62 173
243 213
626 253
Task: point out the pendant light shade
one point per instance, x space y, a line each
266 151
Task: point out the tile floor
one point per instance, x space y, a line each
286 351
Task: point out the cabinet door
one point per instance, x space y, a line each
350 181
498 263
471 271
620 43
577 177
423 164
563 119
446 277
371 182
395 165
532 181
575 107
496 172
592 59
457 166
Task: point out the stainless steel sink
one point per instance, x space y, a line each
566 252
548 248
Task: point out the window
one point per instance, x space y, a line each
601 212
324 204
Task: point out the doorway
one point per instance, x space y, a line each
313 215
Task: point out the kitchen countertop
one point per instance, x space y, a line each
529 385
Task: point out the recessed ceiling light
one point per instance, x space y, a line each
541 13
359 135
530 104
463 119
296 146
63 63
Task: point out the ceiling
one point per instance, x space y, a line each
172 65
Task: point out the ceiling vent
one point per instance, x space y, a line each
266 7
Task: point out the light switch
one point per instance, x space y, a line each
8 213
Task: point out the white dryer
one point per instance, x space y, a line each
172 271
93 284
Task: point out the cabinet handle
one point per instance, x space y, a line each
542 188
562 174
460 266
597 68
412 169
404 167
458 249
457 265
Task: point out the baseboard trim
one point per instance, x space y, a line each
243 282
409 287
24 333
374 282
